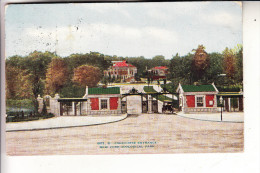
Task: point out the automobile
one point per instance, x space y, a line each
168 107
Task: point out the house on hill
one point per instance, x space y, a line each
197 98
159 72
121 70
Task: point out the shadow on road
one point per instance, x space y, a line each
133 115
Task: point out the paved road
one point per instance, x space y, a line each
162 133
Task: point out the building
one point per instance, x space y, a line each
121 70
96 101
103 101
159 72
197 98
232 101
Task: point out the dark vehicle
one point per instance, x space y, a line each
168 107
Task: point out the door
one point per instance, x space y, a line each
124 107
144 107
155 106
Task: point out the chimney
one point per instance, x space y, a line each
86 93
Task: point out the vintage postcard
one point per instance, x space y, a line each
124 78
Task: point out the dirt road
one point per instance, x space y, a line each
146 133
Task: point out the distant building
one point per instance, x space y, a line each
198 98
159 72
121 70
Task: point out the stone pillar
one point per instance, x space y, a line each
88 106
119 108
55 105
40 103
229 104
215 101
73 107
150 104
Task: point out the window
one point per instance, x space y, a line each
200 101
103 104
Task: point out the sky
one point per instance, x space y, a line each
122 29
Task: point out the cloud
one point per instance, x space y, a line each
99 37
128 29
224 19
103 8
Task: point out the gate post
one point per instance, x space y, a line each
150 104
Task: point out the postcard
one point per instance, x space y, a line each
124 78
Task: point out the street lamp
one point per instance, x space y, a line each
221 101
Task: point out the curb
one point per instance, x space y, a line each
38 129
211 120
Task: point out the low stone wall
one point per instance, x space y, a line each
202 110
100 112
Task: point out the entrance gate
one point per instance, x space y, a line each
144 101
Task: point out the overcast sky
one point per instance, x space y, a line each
123 29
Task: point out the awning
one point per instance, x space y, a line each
230 94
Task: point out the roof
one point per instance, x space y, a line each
71 99
198 88
230 94
122 64
111 90
161 67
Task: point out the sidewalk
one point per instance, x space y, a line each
236 117
63 121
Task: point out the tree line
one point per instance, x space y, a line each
41 73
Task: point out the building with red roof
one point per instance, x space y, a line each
159 72
121 70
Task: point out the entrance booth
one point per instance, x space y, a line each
71 106
232 101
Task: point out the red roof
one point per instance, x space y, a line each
161 67
122 64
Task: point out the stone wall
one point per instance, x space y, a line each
54 105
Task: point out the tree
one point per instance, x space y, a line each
229 63
56 75
200 62
86 75
158 60
216 68
180 69
239 64
18 85
36 66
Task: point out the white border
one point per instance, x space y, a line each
248 161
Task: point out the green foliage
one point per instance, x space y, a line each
25 103
229 88
170 87
72 91
26 76
180 69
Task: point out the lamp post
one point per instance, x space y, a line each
221 101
